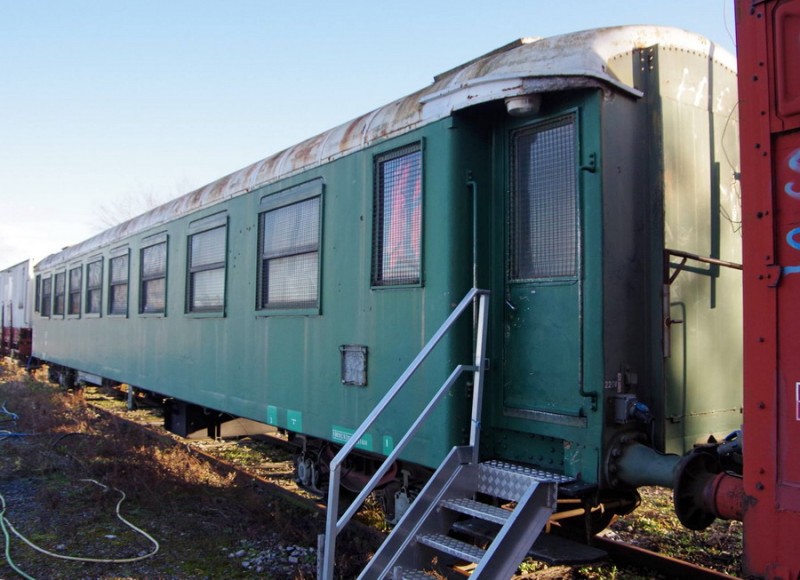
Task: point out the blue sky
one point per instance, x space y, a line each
104 102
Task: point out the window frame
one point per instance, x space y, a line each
71 293
146 279
568 118
378 278
116 254
198 228
314 189
89 290
55 313
46 306
38 294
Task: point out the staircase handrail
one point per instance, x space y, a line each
334 525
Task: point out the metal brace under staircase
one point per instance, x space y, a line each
455 490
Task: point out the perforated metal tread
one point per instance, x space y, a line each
537 474
405 574
511 481
477 509
453 547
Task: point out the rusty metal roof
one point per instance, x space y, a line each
599 57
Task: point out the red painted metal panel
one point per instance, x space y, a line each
787 48
787 218
768 40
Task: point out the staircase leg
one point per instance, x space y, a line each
519 533
400 547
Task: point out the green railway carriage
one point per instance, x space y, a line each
586 180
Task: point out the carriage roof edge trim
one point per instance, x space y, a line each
17 265
531 65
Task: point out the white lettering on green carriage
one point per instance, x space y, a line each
272 415
294 420
387 444
342 435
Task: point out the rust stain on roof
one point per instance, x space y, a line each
529 65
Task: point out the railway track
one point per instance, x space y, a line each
627 559
630 555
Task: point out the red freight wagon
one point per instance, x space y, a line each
768 39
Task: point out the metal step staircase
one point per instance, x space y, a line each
423 540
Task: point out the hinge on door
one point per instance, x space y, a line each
591 164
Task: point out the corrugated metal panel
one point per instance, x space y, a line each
590 58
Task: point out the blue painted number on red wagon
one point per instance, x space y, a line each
794 165
793 237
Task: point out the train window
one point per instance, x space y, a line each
206 272
75 281
153 291
118 285
544 238
289 256
59 292
38 299
94 286
397 229
47 296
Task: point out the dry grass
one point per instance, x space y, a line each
654 526
199 515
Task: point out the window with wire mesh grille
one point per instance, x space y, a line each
75 281
289 256
94 286
544 201
47 296
153 291
118 285
206 284
397 221
59 293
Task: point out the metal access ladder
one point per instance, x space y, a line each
423 540
455 490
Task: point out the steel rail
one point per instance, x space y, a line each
622 552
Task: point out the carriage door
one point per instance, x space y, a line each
542 339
